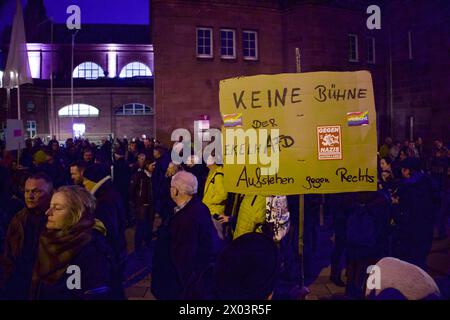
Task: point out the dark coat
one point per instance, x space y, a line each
100 275
418 199
417 205
200 171
26 158
141 192
9 206
148 153
185 247
109 210
378 210
166 204
160 192
121 178
21 245
55 171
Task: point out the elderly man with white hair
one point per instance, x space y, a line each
187 241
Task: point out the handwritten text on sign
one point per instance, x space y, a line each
326 139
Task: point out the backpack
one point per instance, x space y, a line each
361 227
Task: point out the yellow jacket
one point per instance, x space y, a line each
251 214
215 196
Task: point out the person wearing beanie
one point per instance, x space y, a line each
400 280
39 158
109 208
247 269
415 209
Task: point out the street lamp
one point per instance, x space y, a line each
71 76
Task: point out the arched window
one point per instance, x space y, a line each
88 70
134 109
78 110
135 69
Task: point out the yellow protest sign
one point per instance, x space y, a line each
299 133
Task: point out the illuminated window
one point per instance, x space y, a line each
88 70
135 69
34 60
78 110
134 109
31 128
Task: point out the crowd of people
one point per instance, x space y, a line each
66 205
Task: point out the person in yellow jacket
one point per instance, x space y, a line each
251 213
215 196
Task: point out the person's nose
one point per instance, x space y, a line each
49 212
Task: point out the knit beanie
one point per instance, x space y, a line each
400 280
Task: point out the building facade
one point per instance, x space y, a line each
207 41
420 70
112 73
129 81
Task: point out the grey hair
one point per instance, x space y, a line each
185 183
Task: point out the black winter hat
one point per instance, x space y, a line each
120 151
96 172
410 163
247 268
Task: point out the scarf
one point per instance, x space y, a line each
57 248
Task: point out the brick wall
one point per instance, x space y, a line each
186 86
421 83
105 99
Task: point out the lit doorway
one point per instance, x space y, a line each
78 129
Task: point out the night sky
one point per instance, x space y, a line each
92 11
102 11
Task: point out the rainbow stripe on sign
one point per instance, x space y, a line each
359 118
232 120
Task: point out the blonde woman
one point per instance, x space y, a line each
74 260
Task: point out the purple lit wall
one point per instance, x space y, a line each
111 58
